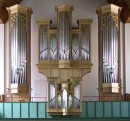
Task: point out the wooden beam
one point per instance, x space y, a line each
116 2
3 11
12 2
125 12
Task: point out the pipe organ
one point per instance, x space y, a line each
64 57
19 24
64 25
109 45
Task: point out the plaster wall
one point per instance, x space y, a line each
1 58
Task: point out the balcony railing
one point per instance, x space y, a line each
5 98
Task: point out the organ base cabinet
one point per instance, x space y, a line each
110 92
110 97
19 93
110 88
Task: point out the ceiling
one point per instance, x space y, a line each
125 11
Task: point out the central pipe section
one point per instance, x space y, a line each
64 27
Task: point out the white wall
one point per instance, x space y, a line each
127 50
7 59
1 59
45 9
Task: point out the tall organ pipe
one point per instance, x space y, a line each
110 50
64 36
18 52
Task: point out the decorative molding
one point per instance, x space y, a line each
105 17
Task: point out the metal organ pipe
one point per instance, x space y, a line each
12 53
75 46
64 36
53 47
18 51
85 43
22 50
110 50
43 43
88 42
64 50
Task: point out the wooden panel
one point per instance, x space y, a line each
125 11
3 11
54 72
1 110
128 109
125 15
107 109
7 110
33 110
116 109
76 72
84 110
24 110
47 114
99 109
16 110
91 109
41 110
3 14
127 97
116 2
124 109
12 2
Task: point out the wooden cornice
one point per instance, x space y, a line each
125 11
3 11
